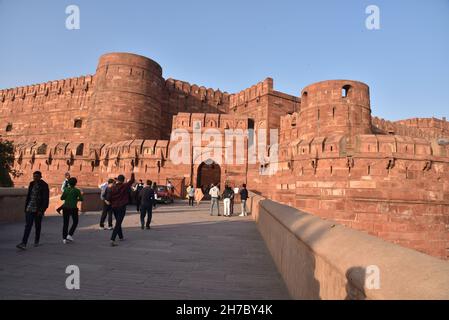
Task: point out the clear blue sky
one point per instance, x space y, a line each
233 44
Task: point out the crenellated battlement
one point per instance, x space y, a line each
262 88
200 92
429 128
207 120
56 86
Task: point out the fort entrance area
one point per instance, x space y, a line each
208 172
334 159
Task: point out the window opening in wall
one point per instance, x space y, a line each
78 123
345 91
251 136
80 149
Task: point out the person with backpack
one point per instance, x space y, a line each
107 209
137 188
146 197
71 196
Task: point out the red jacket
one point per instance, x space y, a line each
119 193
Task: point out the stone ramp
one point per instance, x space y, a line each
186 255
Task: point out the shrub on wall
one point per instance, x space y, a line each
6 163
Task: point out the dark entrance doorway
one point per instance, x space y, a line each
208 172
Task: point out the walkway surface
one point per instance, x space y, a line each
186 255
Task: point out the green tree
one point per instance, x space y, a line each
6 163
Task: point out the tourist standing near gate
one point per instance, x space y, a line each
35 206
137 188
119 198
71 196
107 209
243 198
146 204
228 195
214 193
191 194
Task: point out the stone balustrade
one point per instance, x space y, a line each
319 259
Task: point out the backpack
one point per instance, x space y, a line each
103 192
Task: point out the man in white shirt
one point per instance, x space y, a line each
214 194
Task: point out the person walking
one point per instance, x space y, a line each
243 198
146 205
214 193
119 198
155 194
36 204
71 196
228 195
64 185
191 194
107 209
137 188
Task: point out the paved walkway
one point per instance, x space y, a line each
186 255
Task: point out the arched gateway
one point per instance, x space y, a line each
208 172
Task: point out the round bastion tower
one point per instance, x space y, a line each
335 107
127 99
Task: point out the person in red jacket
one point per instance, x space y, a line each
118 197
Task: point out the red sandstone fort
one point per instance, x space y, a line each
389 179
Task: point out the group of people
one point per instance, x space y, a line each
115 195
145 197
196 194
228 200
37 202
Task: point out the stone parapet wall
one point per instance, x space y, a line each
321 259
12 203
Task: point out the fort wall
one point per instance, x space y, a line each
51 111
389 179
